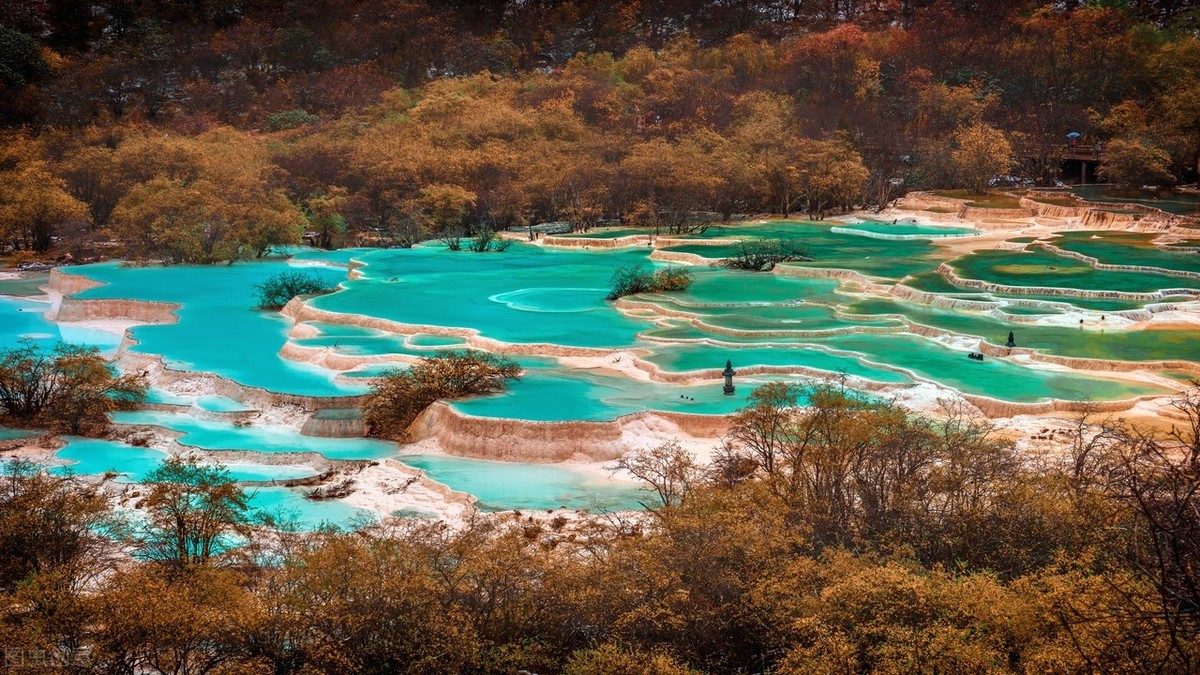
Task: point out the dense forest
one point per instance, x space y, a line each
389 122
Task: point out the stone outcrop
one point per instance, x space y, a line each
684 258
995 408
597 242
923 201
979 213
1095 219
1053 210
253 397
324 426
141 311
66 283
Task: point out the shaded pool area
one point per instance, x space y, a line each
829 249
25 318
1127 248
546 395
219 435
502 486
1115 344
25 285
1040 268
1180 203
10 434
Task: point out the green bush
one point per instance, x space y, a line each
289 119
763 255
673 278
634 279
278 289
399 396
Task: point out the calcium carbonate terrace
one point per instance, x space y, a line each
1081 332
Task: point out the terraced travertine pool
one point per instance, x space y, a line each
587 360
1128 248
1040 268
829 249
1181 203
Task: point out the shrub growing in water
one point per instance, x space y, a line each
278 289
763 255
487 240
401 395
673 278
634 279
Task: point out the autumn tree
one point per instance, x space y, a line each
94 176
34 200
54 535
196 512
1134 163
401 395
66 387
371 605
1177 105
827 174
446 206
668 469
668 185
980 153
152 619
762 427
765 130
217 205
325 217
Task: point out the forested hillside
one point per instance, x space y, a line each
390 121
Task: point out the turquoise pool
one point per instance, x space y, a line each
1040 268
218 435
524 295
25 318
1181 203
219 330
503 486
906 229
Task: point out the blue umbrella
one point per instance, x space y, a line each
1074 134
